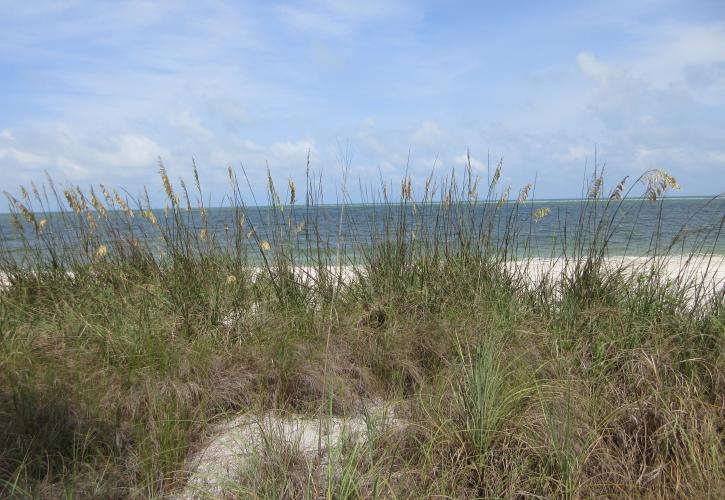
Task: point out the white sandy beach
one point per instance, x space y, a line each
709 269
687 269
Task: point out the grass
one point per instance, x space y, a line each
127 334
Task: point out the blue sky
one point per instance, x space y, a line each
95 91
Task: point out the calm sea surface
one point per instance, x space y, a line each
682 224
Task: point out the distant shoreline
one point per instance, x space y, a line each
629 199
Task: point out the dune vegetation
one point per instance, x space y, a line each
127 334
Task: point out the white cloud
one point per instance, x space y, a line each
428 133
593 67
129 151
72 170
22 157
189 124
281 155
464 160
60 151
573 153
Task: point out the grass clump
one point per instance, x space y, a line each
128 333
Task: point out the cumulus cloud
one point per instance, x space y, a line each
57 149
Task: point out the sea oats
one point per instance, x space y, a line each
107 195
101 251
186 195
292 191
542 212
504 197
657 182
165 179
149 216
473 190
35 190
91 221
497 173
72 199
27 214
83 206
406 189
617 192
16 222
122 203
596 189
97 204
524 194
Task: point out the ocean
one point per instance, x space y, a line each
638 227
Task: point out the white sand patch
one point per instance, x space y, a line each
235 444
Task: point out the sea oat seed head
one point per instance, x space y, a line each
27 214
165 179
524 194
292 191
617 192
542 212
97 204
122 203
504 197
72 199
596 188
149 216
497 173
101 251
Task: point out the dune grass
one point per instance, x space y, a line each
127 333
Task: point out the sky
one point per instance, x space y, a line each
97 91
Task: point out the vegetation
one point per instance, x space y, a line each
127 333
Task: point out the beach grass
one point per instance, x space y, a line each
124 343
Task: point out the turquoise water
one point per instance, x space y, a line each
680 225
